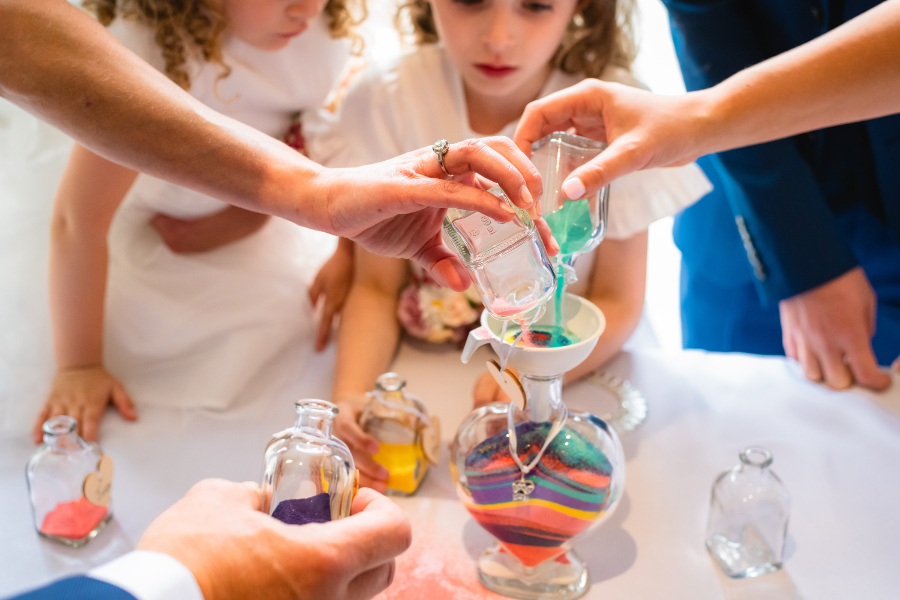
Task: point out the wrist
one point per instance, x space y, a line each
712 117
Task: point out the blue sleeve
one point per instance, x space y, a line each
78 587
784 215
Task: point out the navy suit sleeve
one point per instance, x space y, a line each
786 218
78 587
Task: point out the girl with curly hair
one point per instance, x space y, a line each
474 67
136 323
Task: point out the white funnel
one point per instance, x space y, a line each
579 316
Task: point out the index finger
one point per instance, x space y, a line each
556 112
493 158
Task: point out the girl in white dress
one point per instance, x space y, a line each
135 323
476 66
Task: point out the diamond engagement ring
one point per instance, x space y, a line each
440 148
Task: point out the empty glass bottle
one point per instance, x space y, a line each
748 517
69 484
409 438
507 261
309 475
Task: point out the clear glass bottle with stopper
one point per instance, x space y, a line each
69 485
309 474
409 437
748 517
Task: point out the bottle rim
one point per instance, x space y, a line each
316 406
60 425
390 382
756 456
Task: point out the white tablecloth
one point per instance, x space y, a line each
836 452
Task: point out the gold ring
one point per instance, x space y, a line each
440 148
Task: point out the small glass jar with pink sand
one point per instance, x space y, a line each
507 261
69 484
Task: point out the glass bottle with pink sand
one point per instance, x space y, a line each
507 261
69 485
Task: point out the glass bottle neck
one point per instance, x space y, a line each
60 434
543 397
316 415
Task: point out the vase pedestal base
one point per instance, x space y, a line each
564 578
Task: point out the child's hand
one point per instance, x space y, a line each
331 285
362 445
486 391
83 393
185 236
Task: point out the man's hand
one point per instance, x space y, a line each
236 552
829 330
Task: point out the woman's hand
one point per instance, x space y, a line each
83 393
396 208
362 445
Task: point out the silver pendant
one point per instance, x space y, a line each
522 488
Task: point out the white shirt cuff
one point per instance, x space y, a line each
149 576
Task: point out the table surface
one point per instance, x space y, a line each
837 453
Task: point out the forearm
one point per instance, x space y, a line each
367 340
622 318
61 65
77 291
850 74
617 288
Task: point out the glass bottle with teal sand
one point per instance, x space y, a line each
532 473
578 225
309 474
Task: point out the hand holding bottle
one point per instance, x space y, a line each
235 551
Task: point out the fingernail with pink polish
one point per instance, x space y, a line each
573 189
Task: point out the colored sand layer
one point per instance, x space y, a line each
571 226
405 464
542 336
571 490
73 520
300 511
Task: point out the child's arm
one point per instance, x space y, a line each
332 284
185 236
617 285
89 193
367 339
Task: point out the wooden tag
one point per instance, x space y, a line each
508 382
97 486
431 440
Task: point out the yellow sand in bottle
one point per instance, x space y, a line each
406 464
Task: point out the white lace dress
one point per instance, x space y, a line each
194 330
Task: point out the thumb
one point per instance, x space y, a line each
444 267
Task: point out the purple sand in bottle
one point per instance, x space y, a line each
300 511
